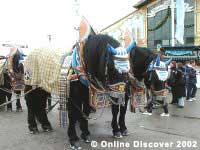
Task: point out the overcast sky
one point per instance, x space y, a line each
30 21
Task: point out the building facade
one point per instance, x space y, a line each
151 23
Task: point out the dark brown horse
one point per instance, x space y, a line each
12 78
147 66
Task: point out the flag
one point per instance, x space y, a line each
180 17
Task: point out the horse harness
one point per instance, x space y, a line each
17 82
96 94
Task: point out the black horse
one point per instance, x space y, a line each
145 64
106 70
12 76
5 89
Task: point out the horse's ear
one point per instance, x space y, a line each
158 61
111 49
131 46
129 42
12 51
84 30
127 38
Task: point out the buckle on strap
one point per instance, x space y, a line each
118 87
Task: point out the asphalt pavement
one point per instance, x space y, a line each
179 131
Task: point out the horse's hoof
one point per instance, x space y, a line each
9 109
75 146
125 133
92 109
117 135
19 110
2 109
33 131
86 139
47 128
147 113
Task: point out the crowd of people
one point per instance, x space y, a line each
183 79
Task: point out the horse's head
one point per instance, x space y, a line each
140 58
147 65
157 74
15 67
106 62
17 60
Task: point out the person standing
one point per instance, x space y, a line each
186 74
78 104
171 82
192 80
179 86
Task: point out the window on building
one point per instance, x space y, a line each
162 34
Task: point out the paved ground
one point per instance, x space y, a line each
181 129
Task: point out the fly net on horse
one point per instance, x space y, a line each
48 70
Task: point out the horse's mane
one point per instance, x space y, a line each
96 54
140 58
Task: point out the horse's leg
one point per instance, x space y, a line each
83 102
9 96
114 123
40 110
2 99
73 112
72 116
149 101
122 124
32 125
165 105
49 101
18 104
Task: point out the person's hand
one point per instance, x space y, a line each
72 77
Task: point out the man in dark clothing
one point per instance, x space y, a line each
186 72
192 88
171 81
179 86
78 104
36 101
78 110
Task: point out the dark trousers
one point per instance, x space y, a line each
121 110
3 96
78 109
18 104
36 102
49 102
174 97
191 90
